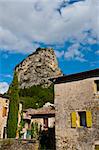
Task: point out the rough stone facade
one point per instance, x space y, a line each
37 68
76 96
12 144
4 108
43 117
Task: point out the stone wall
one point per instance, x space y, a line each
76 96
12 144
4 104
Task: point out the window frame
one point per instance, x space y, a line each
4 111
96 87
77 122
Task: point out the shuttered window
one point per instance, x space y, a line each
4 113
97 85
96 147
81 119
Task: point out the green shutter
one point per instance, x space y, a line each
89 119
74 118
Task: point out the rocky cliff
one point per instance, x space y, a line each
37 68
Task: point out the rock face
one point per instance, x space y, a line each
37 68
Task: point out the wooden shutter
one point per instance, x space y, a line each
96 147
74 118
4 111
89 119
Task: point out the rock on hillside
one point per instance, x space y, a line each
37 68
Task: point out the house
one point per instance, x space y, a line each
43 118
4 108
77 111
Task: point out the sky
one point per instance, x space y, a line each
70 27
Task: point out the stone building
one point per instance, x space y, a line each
77 111
4 107
43 117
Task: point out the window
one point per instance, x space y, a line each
96 85
45 122
81 119
4 112
96 147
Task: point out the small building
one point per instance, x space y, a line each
44 118
4 108
77 111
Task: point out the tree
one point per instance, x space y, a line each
13 108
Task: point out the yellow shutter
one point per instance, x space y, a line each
73 116
4 112
89 119
96 147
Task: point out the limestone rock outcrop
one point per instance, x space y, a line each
37 68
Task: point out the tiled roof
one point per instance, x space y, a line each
41 111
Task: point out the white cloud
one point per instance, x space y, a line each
25 23
94 63
73 52
97 52
5 56
6 75
3 87
59 54
91 41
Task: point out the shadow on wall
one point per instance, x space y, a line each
47 139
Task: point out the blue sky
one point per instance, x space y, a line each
70 27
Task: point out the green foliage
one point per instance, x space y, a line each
13 108
36 96
34 130
32 97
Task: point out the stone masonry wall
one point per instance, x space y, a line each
75 96
12 144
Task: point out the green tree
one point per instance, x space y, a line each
36 96
13 108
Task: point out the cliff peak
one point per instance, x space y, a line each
37 68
